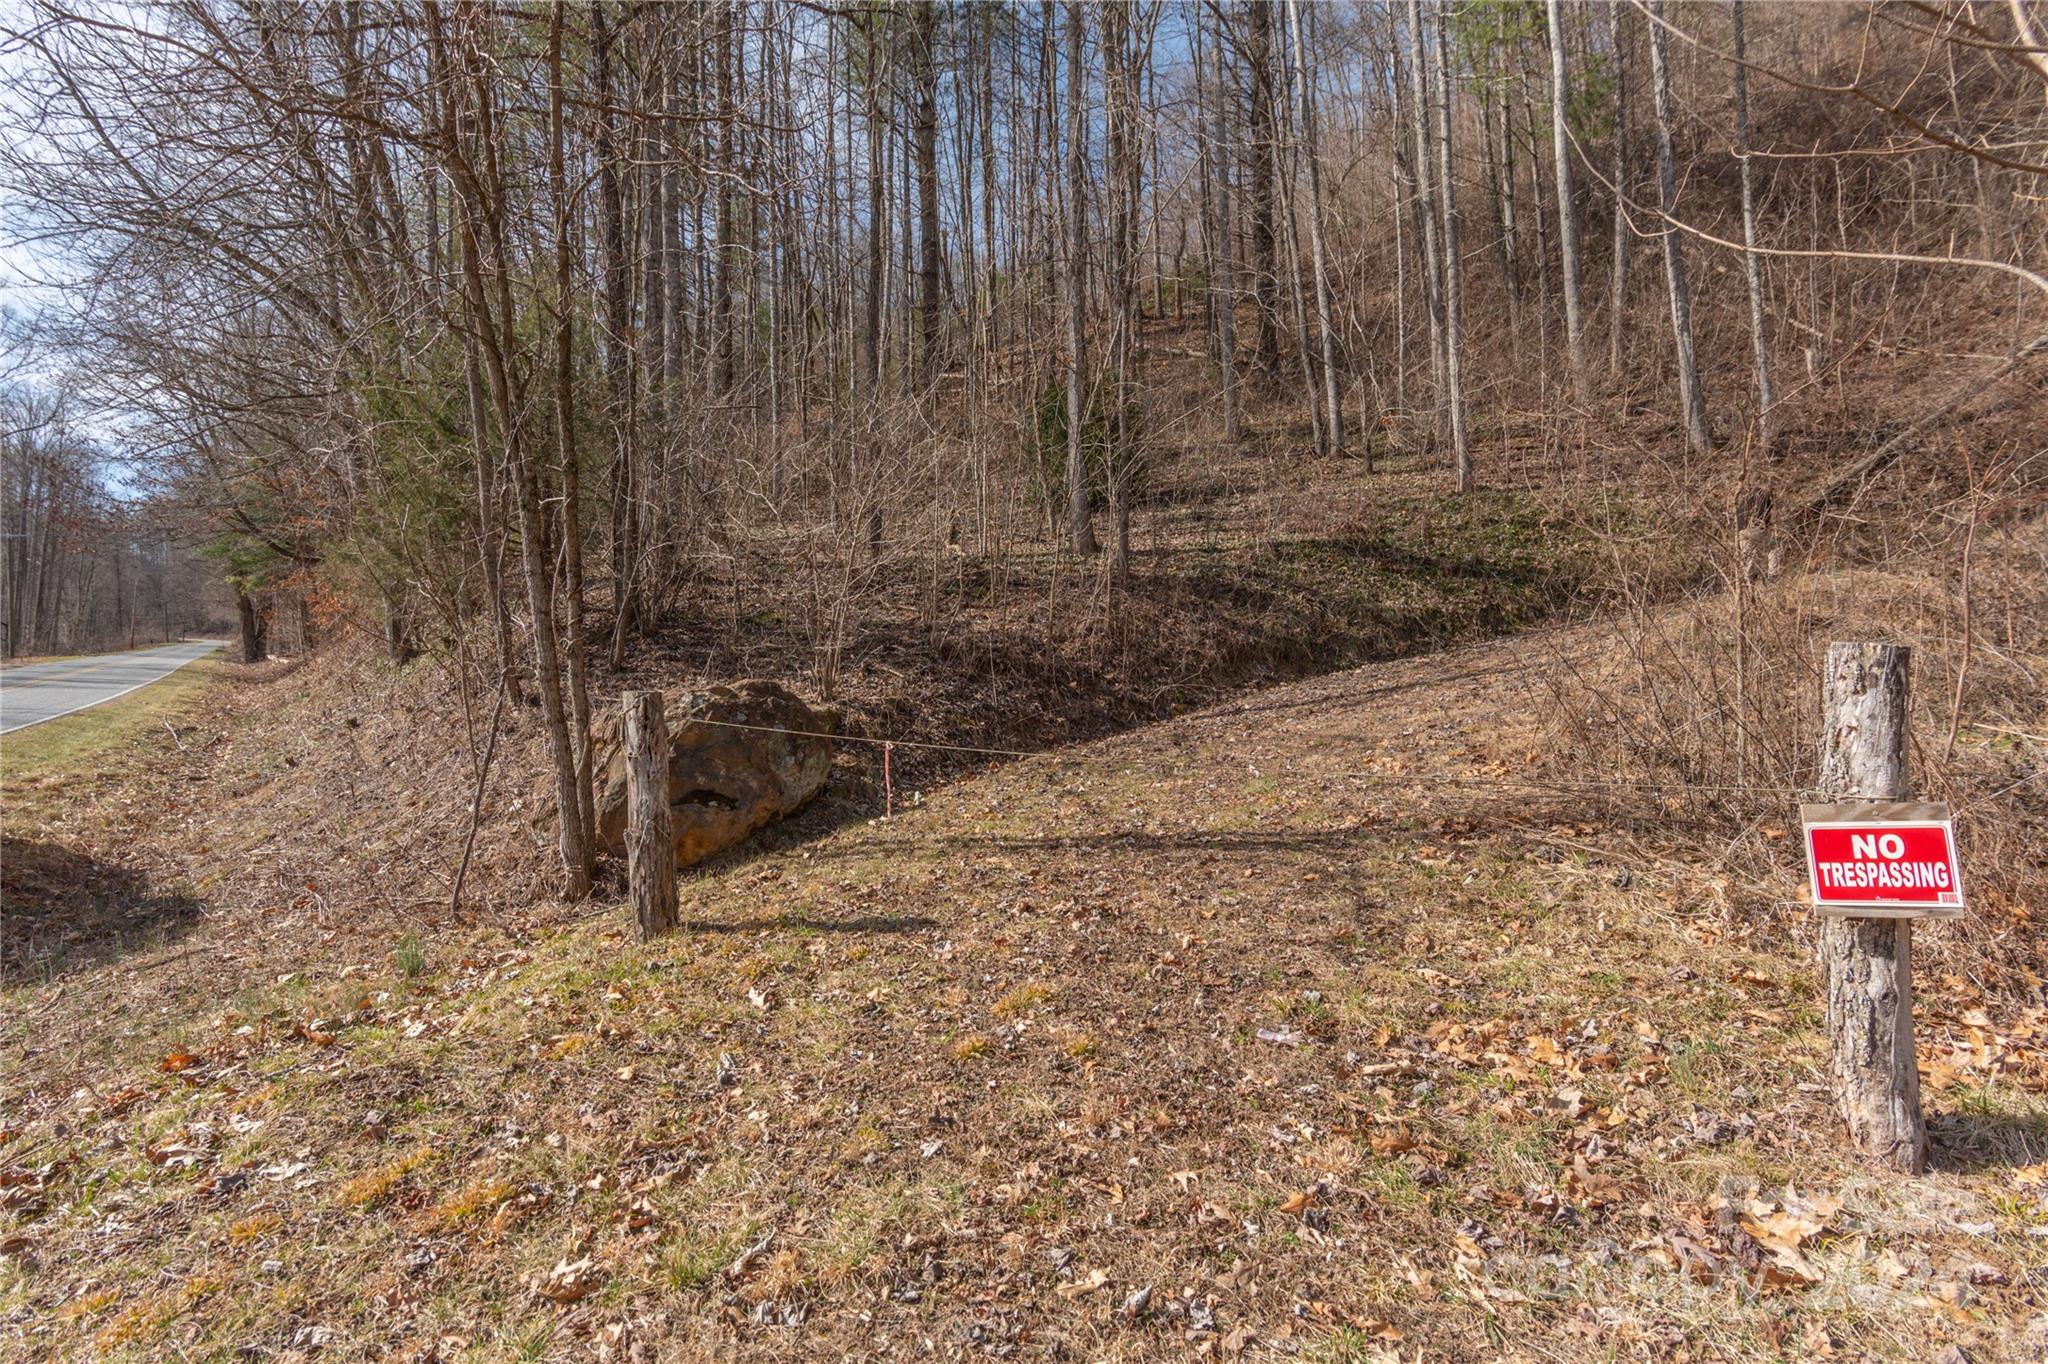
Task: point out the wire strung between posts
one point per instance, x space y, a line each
1539 784
1380 778
886 744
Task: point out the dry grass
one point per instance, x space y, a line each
322 805
1523 1061
1718 695
1319 1013
80 796
40 766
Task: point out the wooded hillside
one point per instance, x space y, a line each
524 334
1287 553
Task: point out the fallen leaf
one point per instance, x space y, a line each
569 1281
1082 1287
1391 1141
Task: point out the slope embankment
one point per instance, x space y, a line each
1331 1020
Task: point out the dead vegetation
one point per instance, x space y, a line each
1337 1020
1456 1006
1305 1024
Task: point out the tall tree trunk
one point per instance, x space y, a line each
677 310
575 643
1078 519
657 184
253 650
1286 174
1567 204
989 338
618 315
1542 218
726 262
1500 182
1752 266
1425 185
1454 271
924 45
1333 415
473 167
878 238
1223 290
1124 184
1260 150
1617 291
1693 406
966 135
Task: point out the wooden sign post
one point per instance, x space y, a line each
650 851
1868 962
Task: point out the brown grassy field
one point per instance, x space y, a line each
1318 1023
1420 1008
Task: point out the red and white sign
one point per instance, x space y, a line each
1886 866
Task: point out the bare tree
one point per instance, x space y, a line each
1752 267
1432 257
1567 204
1078 380
1333 415
1260 149
1454 270
1692 404
1223 250
1617 291
925 71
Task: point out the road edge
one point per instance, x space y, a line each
107 700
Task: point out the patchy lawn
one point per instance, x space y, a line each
46 757
1314 1025
77 794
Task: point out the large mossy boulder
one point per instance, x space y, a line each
740 757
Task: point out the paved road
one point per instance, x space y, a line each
37 692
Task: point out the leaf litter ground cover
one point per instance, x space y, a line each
1223 1039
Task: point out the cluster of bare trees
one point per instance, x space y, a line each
534 315
81 567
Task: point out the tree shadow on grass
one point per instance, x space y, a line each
1977 1143
803 923
65 912
1217 841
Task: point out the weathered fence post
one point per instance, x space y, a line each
650 852
1868 962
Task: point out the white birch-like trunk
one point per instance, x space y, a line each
1454 387
1432 259
1752 265
1692 404
1082 532
1567 212
1333 416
